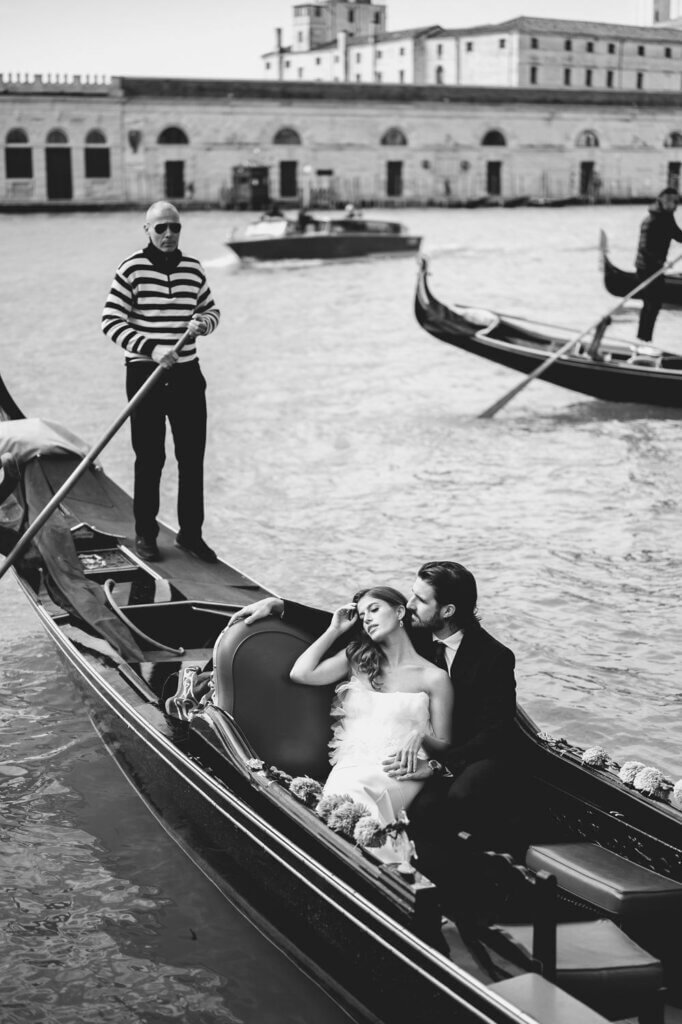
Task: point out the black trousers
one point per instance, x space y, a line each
179 397
652 300
482 799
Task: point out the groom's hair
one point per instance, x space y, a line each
453 584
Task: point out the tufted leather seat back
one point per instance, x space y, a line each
287 724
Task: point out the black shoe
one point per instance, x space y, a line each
197 547
147 549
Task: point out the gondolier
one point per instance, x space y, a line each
657 231
159 293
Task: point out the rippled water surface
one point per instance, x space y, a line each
344 448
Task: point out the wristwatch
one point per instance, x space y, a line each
439 769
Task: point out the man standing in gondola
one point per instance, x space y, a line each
157 295
659 228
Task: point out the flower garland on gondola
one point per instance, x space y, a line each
646 780
344 815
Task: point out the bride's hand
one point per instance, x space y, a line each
344 617
393 767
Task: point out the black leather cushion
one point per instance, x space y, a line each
609 881
287 724
596 962
544 1001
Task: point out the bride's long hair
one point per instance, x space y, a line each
363 653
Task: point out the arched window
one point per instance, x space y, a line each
57 138
394 137
287 137
172 137
97 162
18 154
674 140
439 75
95 138
493 138
587 140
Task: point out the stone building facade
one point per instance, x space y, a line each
214 142
347 41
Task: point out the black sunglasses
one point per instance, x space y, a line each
171 226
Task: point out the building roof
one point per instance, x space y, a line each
235 90
564 26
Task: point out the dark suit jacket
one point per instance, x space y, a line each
482 675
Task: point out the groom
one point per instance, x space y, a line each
466 788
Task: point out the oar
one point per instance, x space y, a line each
539 370
87 461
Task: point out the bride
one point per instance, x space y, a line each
392 702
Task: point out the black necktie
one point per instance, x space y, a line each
439 655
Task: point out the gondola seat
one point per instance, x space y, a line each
594 961
287 724
613 884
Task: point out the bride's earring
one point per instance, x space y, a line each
401 623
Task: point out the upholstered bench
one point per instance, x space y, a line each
613 884
544 1001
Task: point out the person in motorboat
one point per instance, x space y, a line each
303 220
470 784
658 229
159 293
392 703
350 213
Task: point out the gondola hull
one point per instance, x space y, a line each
621 282
372 935
524 346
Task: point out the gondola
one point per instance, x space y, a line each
603 366
621 282
331 238
227 753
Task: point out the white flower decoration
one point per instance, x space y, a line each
629 770
649 781
595 757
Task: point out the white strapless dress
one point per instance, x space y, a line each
373 724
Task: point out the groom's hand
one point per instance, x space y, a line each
393 767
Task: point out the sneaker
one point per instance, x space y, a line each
197 547
147 549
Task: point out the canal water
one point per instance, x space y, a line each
345 448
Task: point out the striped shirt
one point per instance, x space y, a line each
152 299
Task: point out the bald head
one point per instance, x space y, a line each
162 224
160 209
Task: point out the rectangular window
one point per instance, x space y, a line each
590 47
567 76
609 79
300 72
402 51
351 16
502 43
97 162
318 60
378 54
640 79
18 163
287 63
533 76
534 43
401 77
588 76
377 19
469 47
377 76
568 44
612 47
267 65
668 51
640 51
358 78
439 50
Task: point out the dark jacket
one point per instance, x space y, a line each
658 230
482 675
